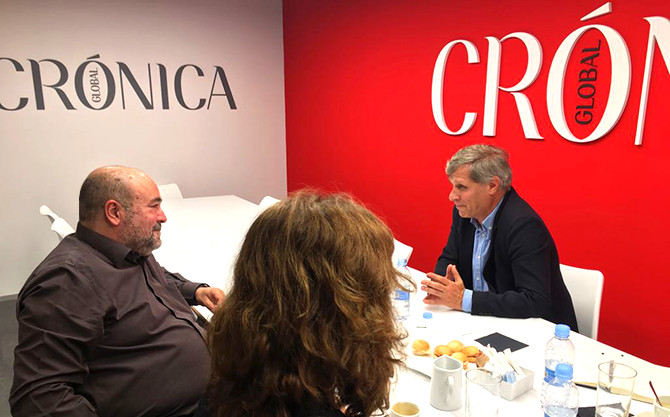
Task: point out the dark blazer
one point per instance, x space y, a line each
522 271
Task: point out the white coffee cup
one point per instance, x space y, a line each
404 409
446 386
662 411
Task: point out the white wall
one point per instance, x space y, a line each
46 154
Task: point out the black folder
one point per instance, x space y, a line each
501 342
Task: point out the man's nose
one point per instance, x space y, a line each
452 195
162 218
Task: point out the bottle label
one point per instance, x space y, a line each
548 374
401 295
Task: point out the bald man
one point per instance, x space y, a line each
104 330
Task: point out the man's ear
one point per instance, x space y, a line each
113 212
494 185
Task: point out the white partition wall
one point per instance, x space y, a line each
191 92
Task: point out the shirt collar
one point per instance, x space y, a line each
487 224
118 254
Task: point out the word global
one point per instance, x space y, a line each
659 34
96 86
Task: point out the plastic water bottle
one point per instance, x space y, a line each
560 397
559 350
401 296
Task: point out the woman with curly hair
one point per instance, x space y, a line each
307 329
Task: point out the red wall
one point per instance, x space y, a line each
359 119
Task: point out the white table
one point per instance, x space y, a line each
202 237
201 240
450 325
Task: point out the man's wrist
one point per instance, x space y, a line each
196 291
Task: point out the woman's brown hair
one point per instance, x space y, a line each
309 317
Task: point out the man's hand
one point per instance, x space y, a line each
446 291
210 297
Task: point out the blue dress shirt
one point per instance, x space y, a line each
480 254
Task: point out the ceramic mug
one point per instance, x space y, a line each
662 411
446 386
404 409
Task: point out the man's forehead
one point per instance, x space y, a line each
461 175
144 188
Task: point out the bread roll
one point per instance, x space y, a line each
455 346
421 347
442 350
470 350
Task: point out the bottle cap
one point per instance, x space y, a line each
564 371
562 331
427 315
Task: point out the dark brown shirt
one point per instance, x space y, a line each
106 332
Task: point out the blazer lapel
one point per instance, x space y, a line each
468 239
489 268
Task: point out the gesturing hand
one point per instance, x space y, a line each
447 290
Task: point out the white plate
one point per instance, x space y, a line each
424 364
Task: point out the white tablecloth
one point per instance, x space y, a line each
446 325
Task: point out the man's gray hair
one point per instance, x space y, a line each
485 162
101 185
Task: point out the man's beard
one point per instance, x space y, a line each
139 242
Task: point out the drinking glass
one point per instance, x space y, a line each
482 393
615 389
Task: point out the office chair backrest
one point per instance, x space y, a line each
58 224
586 289
400 251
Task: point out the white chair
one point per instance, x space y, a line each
400 251
267 201
170 192
586 289
58 224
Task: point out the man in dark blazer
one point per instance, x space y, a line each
500 259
